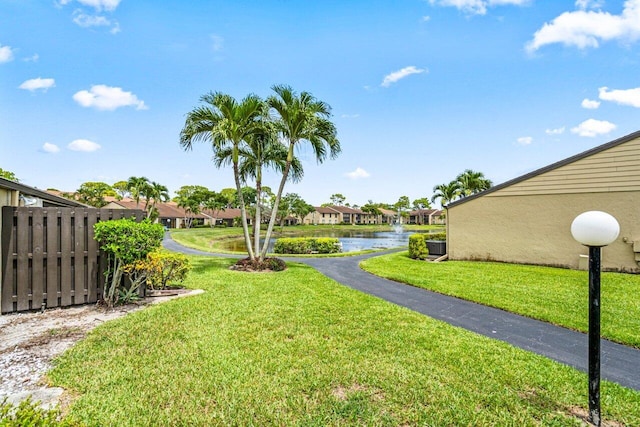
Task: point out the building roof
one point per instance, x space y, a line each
550 167
228 213
51 199
165 210
426 212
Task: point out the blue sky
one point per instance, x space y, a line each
97 90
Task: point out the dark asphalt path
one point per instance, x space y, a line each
620 364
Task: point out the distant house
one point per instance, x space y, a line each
169 214
426 217
388 216
323 215
225 217
528 219
349 215
340 215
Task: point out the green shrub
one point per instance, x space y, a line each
418 246
307 245
163 268
28 413
127 244
436 236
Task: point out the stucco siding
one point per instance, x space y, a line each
613 170
535 229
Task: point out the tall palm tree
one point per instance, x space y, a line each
472 182
225 123
137 187
300 118
261 149
155 193
447 193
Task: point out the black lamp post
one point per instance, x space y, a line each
594 229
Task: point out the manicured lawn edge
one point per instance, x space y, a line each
554 295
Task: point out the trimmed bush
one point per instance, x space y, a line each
418 246
307 245
436 236
163 268
127 244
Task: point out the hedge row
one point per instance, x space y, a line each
307 245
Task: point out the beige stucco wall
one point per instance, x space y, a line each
536 229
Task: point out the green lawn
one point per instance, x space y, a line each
296 348
555 295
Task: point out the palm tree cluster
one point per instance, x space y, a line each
253 134
142 188
466 184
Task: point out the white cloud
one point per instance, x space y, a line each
589 4
556 131
83 145
39 83
217 43
50 148
593 128
401 74
99 5
358 174
6 54
590 104
32 58
587 28
104 97
525 140
477 7
426 18
85 20
350 116
623 97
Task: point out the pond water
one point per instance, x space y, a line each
352 241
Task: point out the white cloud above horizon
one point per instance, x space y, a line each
587 28
401 74
48 147
556 131
629 97
6 53
592 127
86 21
103 97
37 83
590 104
358 173
217 42
99 5
83 145
525 140
477 7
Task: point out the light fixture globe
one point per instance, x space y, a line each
595 228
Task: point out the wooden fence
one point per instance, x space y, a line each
50 258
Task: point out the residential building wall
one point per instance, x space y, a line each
529 221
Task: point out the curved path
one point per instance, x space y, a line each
619 364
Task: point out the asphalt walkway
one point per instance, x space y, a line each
619 363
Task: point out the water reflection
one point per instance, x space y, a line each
352 241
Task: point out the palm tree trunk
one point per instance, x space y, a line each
256 227
243 212
274 212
